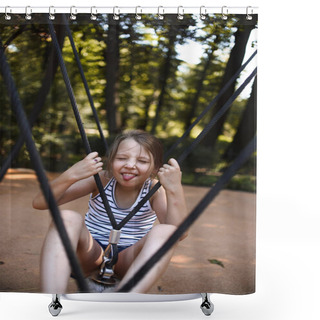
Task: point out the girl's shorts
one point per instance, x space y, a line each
120 248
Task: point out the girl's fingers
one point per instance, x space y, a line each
173 162
92 155
97 160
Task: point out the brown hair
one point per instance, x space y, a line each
145 139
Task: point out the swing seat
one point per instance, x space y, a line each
98 287
96 284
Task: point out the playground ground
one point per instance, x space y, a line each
223 234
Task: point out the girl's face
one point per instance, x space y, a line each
132 164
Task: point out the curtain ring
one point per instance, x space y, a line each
52 11
116 14
138 16
249 17
28 13
224 12
160 15
203 12
73 13
93 15
180 13
7 11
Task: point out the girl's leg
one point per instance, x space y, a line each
133 258
55 269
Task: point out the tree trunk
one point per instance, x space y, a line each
247 127
199 87
51 65
234 63
112 76
164 76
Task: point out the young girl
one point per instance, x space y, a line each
134 160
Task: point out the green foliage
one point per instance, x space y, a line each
146 49
217 262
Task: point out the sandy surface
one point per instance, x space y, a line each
225 232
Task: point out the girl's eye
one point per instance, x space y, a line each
143 161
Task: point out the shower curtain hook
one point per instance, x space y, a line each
160 15
203 12
73 13
28 13
180 13
93 15
7 11
116 14
52 11
138 16
249 17
224 12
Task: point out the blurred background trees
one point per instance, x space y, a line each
139 77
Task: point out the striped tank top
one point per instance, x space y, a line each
98 223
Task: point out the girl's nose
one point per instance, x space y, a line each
130 164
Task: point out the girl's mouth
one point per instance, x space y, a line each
128 176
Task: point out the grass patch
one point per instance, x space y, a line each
240 182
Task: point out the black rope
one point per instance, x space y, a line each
85 83
36 160
216 117
79 122
88 149
209 106
183 156
51 69
193 216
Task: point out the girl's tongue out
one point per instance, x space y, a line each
128 176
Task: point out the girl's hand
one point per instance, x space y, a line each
169 203
87 167
170 175
70 185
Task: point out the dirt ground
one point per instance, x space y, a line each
224 233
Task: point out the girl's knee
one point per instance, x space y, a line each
71 219
166 230
163 230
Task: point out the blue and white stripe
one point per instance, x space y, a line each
98 223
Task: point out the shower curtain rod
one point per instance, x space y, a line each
160 10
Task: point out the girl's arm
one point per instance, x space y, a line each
169 202
74 183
